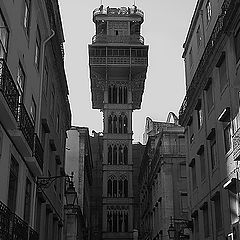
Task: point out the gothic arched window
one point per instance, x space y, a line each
125 124
120 188
109 188
115 124
120 123
125 100
109 94
120 155
115 155
125 222
110 124
110 155
125 155
115 221
120 96
125 188
109 221
114 94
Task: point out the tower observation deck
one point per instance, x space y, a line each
118 61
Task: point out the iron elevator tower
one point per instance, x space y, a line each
118 61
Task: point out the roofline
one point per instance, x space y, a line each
192 26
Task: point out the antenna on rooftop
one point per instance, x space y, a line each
101 2
134 3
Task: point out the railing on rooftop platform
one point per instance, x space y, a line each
130 39
123 11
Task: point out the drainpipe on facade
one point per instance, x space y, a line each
41 81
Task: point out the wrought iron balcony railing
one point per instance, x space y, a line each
198 81
236 145
13 227
38 151
25 125
130 39
8 88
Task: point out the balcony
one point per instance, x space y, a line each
23 136
13 227
8 97
130 39
236 145
35 162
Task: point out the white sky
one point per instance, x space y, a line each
165 28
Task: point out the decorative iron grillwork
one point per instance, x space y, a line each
131 39
38 151
33 235
26 125
4 222
13 227
19 228
199 81
8 88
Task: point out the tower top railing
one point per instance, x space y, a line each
122 11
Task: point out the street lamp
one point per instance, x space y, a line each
171 230
71 194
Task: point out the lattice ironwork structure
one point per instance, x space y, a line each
118 61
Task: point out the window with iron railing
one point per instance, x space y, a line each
21 78
27 204
208 11
13 184
4 35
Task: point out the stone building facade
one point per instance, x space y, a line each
163 181
118 62
210 115
79 163
33 87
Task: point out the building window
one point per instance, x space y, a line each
222 71
13 184
199 36
208 11
184 202
37 48
196 224
117 154
227 136
4 35
190 58
199 114
237 45
20 81
45 77
194 174
183 173
202 162
117 220
33 110
218 211
204 209
190 130
209 94
125 124
27 204
26 20
213 153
